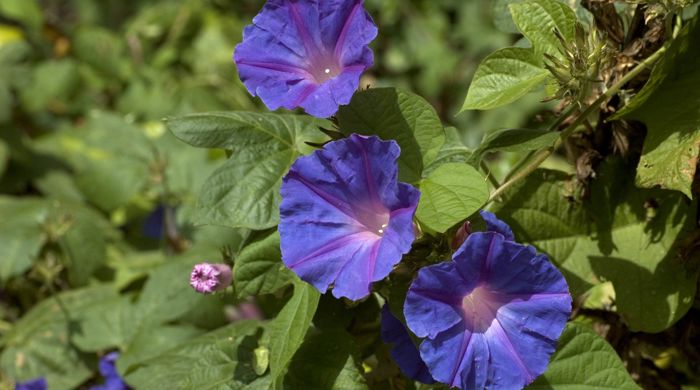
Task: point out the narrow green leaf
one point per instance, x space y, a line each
450 194
285 334
244 192
503 77
672 144
259 269
402 116
583 360
513 140
537 19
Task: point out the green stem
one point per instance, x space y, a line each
489 174
540 156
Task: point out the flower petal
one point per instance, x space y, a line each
513 307
345 220
494 224
405 354
306 53
433 302
457 357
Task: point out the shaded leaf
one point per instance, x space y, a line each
325 361
609 238
399 115
670 155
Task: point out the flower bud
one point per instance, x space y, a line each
461 235
209 278
576 68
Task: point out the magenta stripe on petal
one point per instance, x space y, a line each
492 315
339 219
306 53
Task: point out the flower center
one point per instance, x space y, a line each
324 68
480 308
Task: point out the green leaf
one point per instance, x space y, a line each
110 158
537 19
259 269
27 12
326 361
4 157
162 300
222 359
53 84
103 50
244 192
450 194
402 116
670 155
513 140
22 234
39 344
105 325
84 244
153 342
583 361
504 77
611 237
5 104
452 151
285 334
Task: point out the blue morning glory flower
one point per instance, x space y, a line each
491 316
306 53
345 219
32 384
108 369
403 351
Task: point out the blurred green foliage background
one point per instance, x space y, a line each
85 160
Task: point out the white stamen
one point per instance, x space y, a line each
327 71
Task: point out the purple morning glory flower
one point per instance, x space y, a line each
153 225
491 316
306 53
108 369
403 351
209 278
344 218
32 384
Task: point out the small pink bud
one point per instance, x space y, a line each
209 278
461 235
